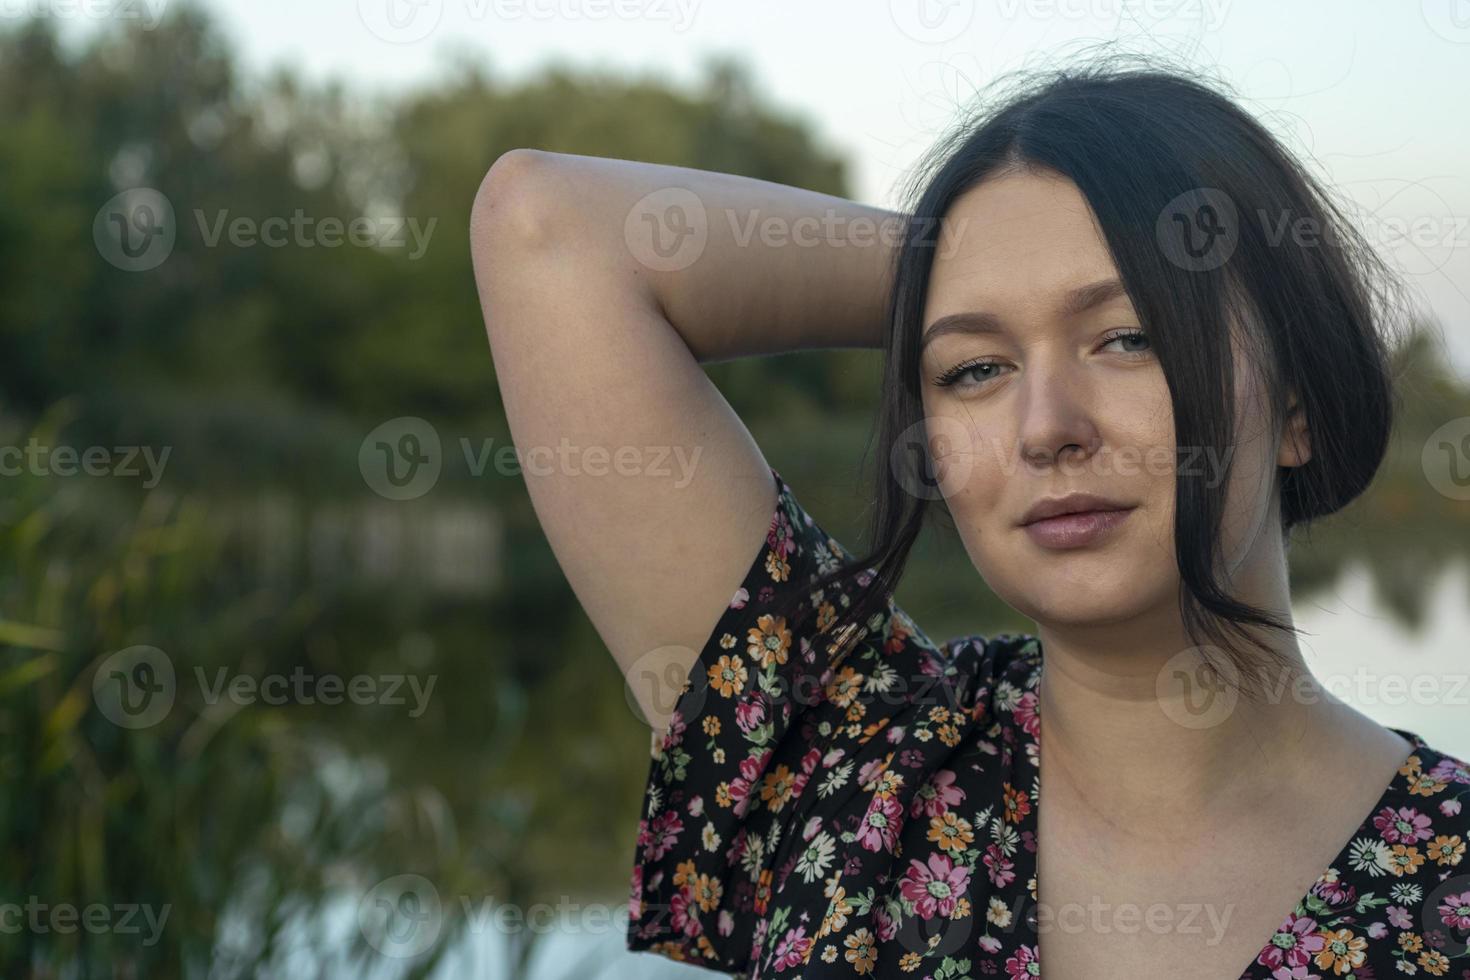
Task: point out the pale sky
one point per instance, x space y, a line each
1373 93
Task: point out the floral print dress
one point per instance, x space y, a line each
874 813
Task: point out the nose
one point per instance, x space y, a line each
1058 420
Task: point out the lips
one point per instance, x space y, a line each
1072 503
1076 530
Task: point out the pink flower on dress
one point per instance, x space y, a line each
1454 911
870 771
751 768
657 837
937 795
675 733
1295 943
1405 825
792 949
886 927
1026 716
934 888
1450 770
1298 973
999 866
682 912
750 713
1023 964
881 823
635 894
1334 891
779 537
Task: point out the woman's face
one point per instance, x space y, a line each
1072 400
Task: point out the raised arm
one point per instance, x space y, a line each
604 284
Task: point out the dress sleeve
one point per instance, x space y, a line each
727 794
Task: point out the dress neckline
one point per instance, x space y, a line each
1399 787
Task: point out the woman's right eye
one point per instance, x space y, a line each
955 374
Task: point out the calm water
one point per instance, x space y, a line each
1416 681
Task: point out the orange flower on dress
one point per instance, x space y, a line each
1016 804
1405 860
728 675
951 831
1434 962
862 951
763 892
1424 784
769 640
707 892
1447 849
844 687
777 786
1341 950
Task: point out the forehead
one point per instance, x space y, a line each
1018 240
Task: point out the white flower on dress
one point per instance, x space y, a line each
1372 856
754 856
817 857
835 780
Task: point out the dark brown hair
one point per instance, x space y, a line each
1164 159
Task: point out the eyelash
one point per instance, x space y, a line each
953 375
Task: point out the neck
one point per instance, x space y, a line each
1149 738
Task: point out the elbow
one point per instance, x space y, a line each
511 215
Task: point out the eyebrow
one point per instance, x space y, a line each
1076 301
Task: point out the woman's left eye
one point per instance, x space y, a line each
1130 336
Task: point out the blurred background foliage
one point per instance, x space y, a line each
263 551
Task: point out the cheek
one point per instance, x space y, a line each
986 487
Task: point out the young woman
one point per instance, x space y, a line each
1130 344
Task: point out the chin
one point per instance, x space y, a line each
1062 598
